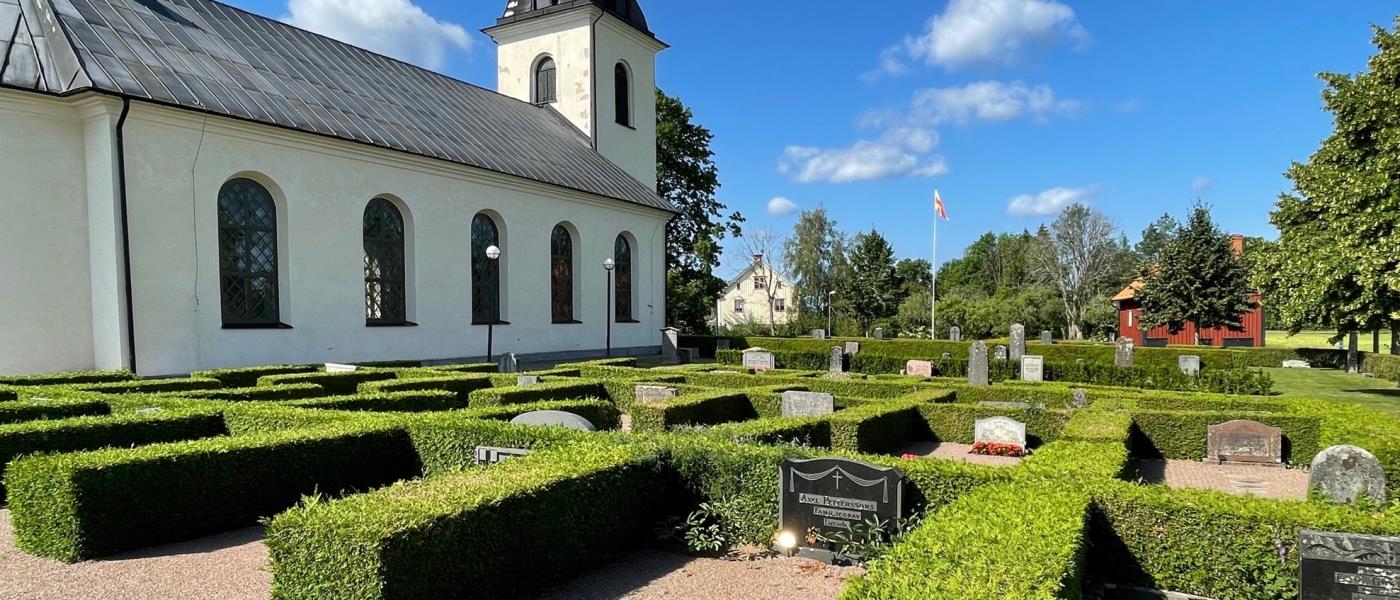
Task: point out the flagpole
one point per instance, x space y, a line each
933 267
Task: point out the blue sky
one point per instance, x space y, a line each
1011 108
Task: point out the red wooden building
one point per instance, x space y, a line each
1130 322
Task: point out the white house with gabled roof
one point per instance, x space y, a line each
759 294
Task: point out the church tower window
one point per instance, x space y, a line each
545 77
622 94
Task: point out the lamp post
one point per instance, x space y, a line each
830 316
493 254
608 266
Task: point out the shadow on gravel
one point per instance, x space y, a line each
205 545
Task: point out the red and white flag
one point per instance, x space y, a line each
938 206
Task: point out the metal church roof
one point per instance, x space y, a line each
628 10
207 56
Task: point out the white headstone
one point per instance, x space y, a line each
1190 364
339 368
1002 430
554 418
759 359
1032 368
807 404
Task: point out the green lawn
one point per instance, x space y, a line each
1318 339
1338 386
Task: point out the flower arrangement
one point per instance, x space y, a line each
998 449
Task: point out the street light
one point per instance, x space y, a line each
830 318
493 254
608 266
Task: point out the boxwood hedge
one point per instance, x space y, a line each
499 532
409 401
36 409
1179 434
267 393
705 408
461 384
957 423
148 386
248 376
558 390
84 505
340 384
601 413
67 378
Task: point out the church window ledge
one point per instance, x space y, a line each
257 326
395 324
485 323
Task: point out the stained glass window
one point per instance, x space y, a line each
248 254
561 275
622 282
486 273
386 297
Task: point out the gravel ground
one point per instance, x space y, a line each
961 452
654 575
223 567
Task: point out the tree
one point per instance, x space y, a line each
686 175
1196 279
815 256
1156 237
914 275
871 291
762 245
1337 261
1079 256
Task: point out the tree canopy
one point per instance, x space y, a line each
1196 279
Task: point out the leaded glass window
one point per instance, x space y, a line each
386 295
486 273
545 81
622 95
622 282
561 275
248 255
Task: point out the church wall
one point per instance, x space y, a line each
567 39
45 306
632 148
178 161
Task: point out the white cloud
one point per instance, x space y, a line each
985 32
1129 106
901 152
1049 202
781 207
987 101
1202 184
397 28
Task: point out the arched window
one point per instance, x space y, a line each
248 255
622 282
386 295
622 94
544 81
486 273
561 275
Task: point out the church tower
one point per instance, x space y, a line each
594 61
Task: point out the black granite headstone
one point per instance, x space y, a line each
827 495
486 455
1349 566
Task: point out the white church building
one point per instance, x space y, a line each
185 185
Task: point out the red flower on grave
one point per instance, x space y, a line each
910 456
998 449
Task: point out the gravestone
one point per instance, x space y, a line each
686 356
1047 338
819 334
1190 364
508 363
1123 356
1353 357
807 404
955 334
977 363
1079 398
830 495
759 359
1018 341
919 368
487 455
527 380
1001 352
646 394
1002 430
670 345
1032 368
1348 566
338 368
1113 337
1244 442
1344 474
554 418
852 348
722 344
836 363
1297 364
842 376
879 333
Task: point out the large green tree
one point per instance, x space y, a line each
1197 278
815 255
1337 261
1080 255
686 175
1156 238
871 291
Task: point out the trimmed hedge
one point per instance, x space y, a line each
152 386
8 395
957 423
501 532
84 505
21 411
462 385
248 376
1183 434
69 378
878 428
339 384
1002 541
707 408
468 368
92 433
601 413
268 393
556 390
420 401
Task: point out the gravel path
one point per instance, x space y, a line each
223 567
654 575
961 452
1276 483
